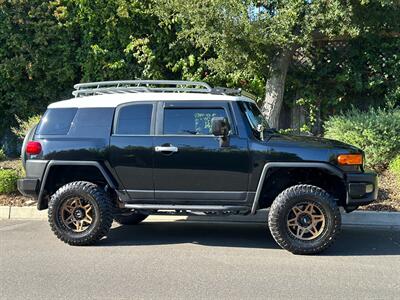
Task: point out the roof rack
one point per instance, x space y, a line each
232 92
140 86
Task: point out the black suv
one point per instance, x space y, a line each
123 150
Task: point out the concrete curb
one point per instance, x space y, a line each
357 218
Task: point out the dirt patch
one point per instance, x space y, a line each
16 200
14 164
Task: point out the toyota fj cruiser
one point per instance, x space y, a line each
124 150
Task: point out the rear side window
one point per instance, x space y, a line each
190 121
56 121
134 119
92 122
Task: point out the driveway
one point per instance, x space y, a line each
194 260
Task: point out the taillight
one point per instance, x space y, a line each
33 147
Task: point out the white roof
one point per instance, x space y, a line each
113 100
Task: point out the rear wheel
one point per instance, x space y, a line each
304 219
129 218
80 213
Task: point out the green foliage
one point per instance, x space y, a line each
25 125
47 46
395 167
362 72
375 131
2 154
37 58
8 181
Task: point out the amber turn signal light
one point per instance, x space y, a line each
350 159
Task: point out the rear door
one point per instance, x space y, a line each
190 165
131 149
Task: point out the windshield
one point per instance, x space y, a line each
254 115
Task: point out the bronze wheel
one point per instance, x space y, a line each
80 213
306 221
77 214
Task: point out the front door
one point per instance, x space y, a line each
189 162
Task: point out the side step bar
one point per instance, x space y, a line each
188 207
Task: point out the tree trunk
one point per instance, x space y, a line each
275 87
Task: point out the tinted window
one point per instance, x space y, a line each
134 119
92 122
193 121
56 121
253 114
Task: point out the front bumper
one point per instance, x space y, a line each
362 188
28 187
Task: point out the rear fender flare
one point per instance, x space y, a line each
108 178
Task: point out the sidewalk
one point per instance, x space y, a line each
356 218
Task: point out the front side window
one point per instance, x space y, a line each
56 121
134 119
190 121
253 114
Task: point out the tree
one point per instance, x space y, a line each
254 41
37 59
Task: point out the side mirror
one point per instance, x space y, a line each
220 126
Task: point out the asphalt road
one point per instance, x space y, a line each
174 260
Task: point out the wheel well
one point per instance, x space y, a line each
60 175
279 179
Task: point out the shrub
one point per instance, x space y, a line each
2 155
375 131
25 125
8 181
395 167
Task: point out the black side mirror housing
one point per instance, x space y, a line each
220 126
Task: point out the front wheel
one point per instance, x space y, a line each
304 219
80 213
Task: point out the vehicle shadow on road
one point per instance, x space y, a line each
351 242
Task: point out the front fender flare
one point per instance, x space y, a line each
268 166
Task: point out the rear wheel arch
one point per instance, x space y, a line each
59 173
277 176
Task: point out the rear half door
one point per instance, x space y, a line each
190 165
131 149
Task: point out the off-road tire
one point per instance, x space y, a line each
102 207
132 218
282 205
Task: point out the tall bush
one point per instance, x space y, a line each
25 125
395 168
376 131
2 154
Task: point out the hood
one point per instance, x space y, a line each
313 142
279 147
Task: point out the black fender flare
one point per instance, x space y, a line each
51 163
316 165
